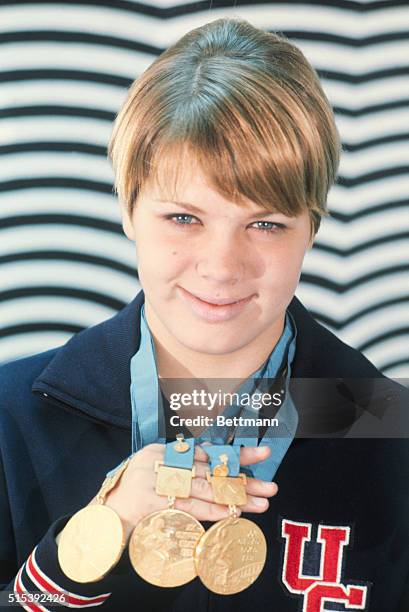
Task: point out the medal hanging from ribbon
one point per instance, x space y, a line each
162 544
92 541
230 556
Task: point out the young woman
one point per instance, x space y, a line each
223 152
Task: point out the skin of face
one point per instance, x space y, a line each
221 250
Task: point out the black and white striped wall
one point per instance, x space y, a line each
64 71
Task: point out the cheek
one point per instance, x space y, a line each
283 268
160 261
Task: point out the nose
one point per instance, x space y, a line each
222 261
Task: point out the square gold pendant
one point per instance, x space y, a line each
229 490
173 482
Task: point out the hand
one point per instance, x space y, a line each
134 497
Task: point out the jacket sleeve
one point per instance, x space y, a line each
8 566
41 573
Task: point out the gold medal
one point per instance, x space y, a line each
230 556
92 541
91 544
161 547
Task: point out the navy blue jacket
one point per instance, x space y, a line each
337 529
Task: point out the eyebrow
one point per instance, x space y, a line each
195 209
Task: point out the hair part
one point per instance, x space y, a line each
246 105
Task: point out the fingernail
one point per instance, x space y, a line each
271 486
259 501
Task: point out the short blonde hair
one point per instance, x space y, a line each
250 108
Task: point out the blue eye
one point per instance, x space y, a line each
181 218
269 226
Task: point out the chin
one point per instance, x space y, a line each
212 344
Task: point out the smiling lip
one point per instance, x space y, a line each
214 309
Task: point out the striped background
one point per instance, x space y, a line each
64 70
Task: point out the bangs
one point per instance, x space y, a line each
241 157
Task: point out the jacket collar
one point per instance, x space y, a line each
91 372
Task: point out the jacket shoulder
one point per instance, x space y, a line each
320 353
351 360
17 376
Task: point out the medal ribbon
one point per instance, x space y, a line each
176 456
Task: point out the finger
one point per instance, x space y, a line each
201 468
200 453
253 454
257 492
201 489
255 486
255 504
203 510
201 506
261 488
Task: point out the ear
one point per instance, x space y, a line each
127 224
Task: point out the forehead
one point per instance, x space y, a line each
188 183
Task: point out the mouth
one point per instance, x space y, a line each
215 309
219 301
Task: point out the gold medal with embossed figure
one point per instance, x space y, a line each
92 541
230 556
91 544
162 547
162 544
